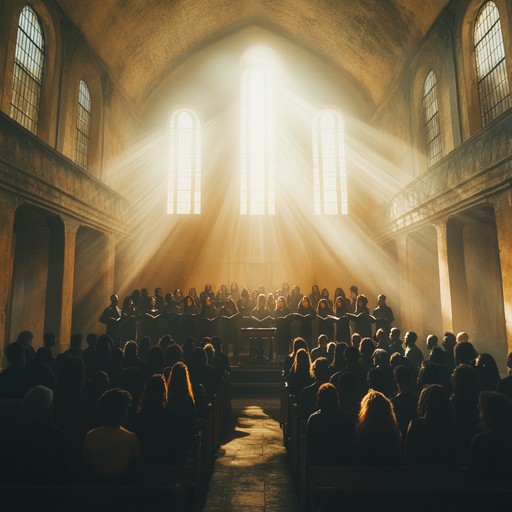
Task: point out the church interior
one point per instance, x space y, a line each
418 205
171 144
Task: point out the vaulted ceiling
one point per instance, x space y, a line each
142 42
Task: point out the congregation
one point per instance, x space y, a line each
366 396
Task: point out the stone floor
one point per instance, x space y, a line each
251 471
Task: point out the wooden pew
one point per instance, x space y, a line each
399 488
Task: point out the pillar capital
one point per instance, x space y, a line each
70 224
501 200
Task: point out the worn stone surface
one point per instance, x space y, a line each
252 472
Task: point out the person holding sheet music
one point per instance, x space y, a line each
383 314
305 313
305 307
283 334
208 310
323 312
258 345
341 306
171 306
220 299
209 315
229 328
362 318
111 317
150 321
260 311
244 303
189 306
129 317
281 310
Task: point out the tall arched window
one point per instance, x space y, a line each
257 195
433 141
329 169
491 68
184 192
28 70
83 125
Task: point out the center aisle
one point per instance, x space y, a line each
252 473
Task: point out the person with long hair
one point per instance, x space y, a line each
340 310
325 325
378 438
431 438
180 398
157 425
299 376
307 311
487 371
315 295
297 344
329 431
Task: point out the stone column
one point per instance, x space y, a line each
403 276
68 274
444 275
8 205
503 213
110 259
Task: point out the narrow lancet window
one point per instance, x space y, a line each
329 168
184 190
432 129
257 196
491 67
28 70
83 126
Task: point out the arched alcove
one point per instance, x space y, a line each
90 293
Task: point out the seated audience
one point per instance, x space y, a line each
487 371
300 374
378 440
321 349
329 431
406 400
14 379
110 450
464 402
180 398
320 373
431 438
156 426
490 452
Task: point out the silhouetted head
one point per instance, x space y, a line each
464 353
495 411
113 406
327 397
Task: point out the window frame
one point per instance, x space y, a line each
431 123
490 110
249 204
175 175
321 153
83 137
24 110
